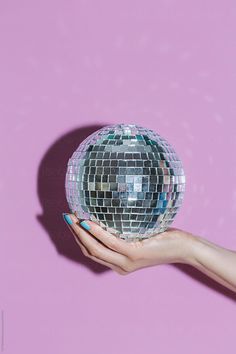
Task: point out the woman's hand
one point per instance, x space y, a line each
172 246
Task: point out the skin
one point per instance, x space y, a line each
172 246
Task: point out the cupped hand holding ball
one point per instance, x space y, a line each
125 257
172 246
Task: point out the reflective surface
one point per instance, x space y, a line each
128 179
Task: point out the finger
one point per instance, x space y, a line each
113 242
109 265
96 248
74 234
87 254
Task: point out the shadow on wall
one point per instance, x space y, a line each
51 192
206 281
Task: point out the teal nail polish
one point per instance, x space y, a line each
85 225
67 219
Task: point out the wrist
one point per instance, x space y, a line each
182 246
189 248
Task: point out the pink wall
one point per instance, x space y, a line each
67 68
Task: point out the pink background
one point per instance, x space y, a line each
67 68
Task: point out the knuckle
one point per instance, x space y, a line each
96 228
128 267
93 253
113 243
96 252
85 252
121 272
133 256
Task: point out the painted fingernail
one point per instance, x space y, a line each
85 225
67 219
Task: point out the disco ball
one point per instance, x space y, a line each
126 178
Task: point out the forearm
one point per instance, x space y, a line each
217 262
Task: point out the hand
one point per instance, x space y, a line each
171 246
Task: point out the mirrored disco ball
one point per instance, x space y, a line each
126 178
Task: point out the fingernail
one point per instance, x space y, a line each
67 219
85 225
